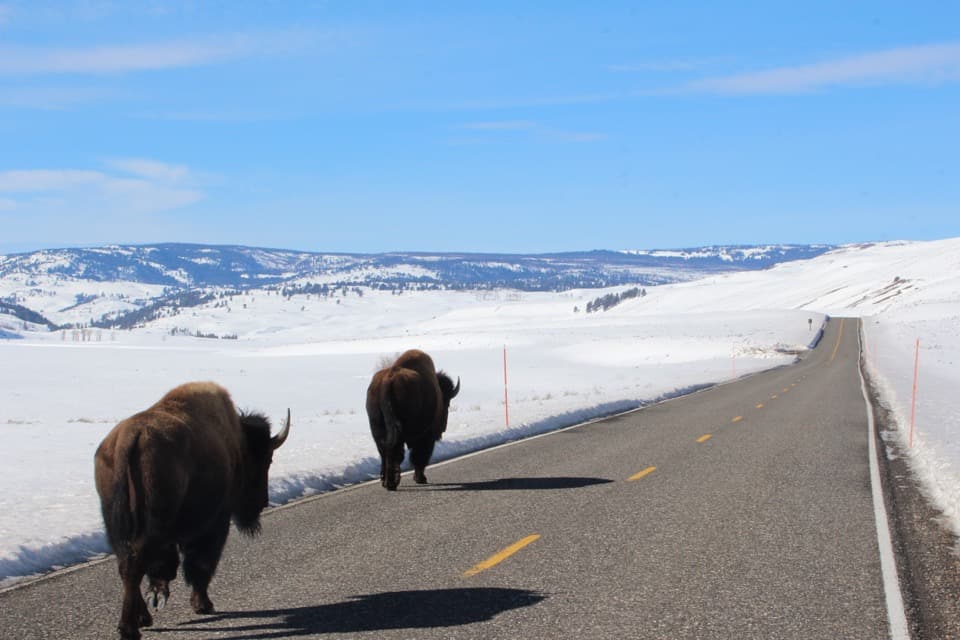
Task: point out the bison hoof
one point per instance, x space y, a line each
419 477
201 603
157 596
392 480
143 620
129 634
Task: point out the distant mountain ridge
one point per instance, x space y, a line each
130 285
191 265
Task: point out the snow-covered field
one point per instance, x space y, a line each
59 394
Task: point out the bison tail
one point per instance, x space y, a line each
121 517
390 422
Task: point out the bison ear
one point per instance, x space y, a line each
281 437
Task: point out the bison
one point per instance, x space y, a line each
170 479
407 404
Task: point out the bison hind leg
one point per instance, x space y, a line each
420 454
160 572
200 559
391 457
392 480
201 603
134 613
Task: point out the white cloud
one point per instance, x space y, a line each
117 59
152 169
51 98
40 180
156 188
109 59
928 64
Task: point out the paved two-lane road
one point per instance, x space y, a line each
743 511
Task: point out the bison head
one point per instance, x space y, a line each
448 392
259 455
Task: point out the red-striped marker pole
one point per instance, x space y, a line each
913 402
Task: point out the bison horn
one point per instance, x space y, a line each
281 437
456 389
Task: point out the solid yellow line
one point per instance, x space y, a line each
497 558
642 474
837 346
737 419
704 438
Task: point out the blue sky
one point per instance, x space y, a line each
363 126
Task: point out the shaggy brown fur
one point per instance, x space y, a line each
170 479
407 404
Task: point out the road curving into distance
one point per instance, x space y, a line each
742 511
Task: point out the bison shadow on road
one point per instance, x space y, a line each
374 612
518 484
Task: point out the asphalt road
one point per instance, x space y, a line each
748 515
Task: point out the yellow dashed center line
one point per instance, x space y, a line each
773 397
737 419
837 346
642 474
499 557
759 405
704 438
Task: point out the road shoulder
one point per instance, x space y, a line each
927 550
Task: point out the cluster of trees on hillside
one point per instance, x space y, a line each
322 290
180 331
158 309
603 303
25 314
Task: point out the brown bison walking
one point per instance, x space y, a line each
170 479
407 403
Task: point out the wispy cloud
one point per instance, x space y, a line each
113 59
920 65
52 98
139 186
152 169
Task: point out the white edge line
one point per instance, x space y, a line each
896 614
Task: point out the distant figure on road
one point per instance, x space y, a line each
810 323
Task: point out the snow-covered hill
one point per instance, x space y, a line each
131 285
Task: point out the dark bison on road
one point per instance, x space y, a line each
170 479
407 403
